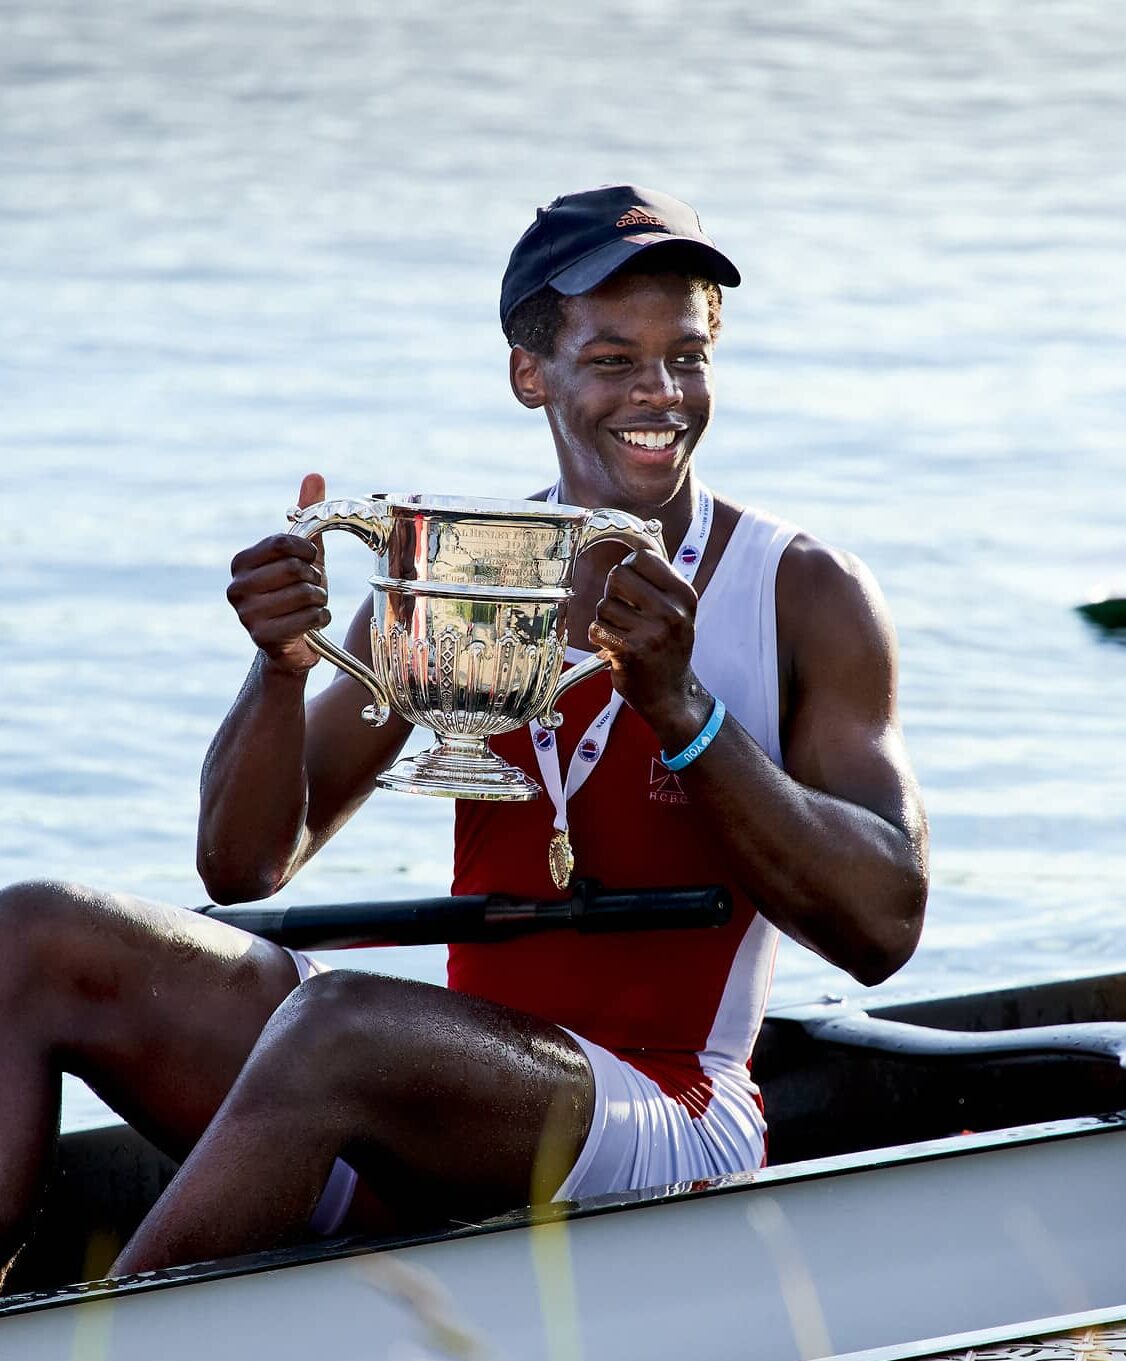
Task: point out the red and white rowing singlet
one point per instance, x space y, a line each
682 1007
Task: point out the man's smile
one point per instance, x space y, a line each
648 437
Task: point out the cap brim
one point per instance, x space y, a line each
597 267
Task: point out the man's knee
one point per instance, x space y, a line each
325 1036
325 1016
39 919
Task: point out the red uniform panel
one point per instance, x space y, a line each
651 997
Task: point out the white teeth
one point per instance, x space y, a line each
649 439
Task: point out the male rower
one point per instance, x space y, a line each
746 732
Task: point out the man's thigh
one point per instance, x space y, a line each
156 1007
451 1100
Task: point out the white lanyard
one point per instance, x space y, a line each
589 751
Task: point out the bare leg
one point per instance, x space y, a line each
154 1007
446 1104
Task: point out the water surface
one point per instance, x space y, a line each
244 240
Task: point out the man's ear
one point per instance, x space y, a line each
525 373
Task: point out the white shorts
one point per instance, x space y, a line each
639 1136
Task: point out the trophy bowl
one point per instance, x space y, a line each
468 629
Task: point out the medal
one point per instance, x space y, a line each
560 856
560 859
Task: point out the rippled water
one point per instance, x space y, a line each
244 240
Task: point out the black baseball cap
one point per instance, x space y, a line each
579 240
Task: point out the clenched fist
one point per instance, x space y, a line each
279 590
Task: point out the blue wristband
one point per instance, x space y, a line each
700 743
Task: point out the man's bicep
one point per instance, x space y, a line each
863 765
844 737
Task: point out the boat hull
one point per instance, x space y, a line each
832 1251
832 1256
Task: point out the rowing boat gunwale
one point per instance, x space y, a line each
814 1169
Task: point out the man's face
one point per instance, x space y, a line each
628 392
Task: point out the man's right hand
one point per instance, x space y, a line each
279 590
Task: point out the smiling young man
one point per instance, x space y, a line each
746 732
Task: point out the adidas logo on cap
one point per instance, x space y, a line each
638 217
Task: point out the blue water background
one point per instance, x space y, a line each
240 241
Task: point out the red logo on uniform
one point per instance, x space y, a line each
664 784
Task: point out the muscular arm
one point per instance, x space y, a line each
280 777
833 849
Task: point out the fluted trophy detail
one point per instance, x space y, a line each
468 629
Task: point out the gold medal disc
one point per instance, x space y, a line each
560 859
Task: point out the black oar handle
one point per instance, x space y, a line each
438 921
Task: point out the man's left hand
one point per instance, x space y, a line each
645 624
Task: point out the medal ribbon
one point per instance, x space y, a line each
592 744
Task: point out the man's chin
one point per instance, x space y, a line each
654 479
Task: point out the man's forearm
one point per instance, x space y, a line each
841 879
254 788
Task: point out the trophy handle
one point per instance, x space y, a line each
624 528
365 520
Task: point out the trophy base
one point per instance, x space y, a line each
459 768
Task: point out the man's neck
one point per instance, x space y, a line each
675 515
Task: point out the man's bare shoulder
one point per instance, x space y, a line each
831 610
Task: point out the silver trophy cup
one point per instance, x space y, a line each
468 625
